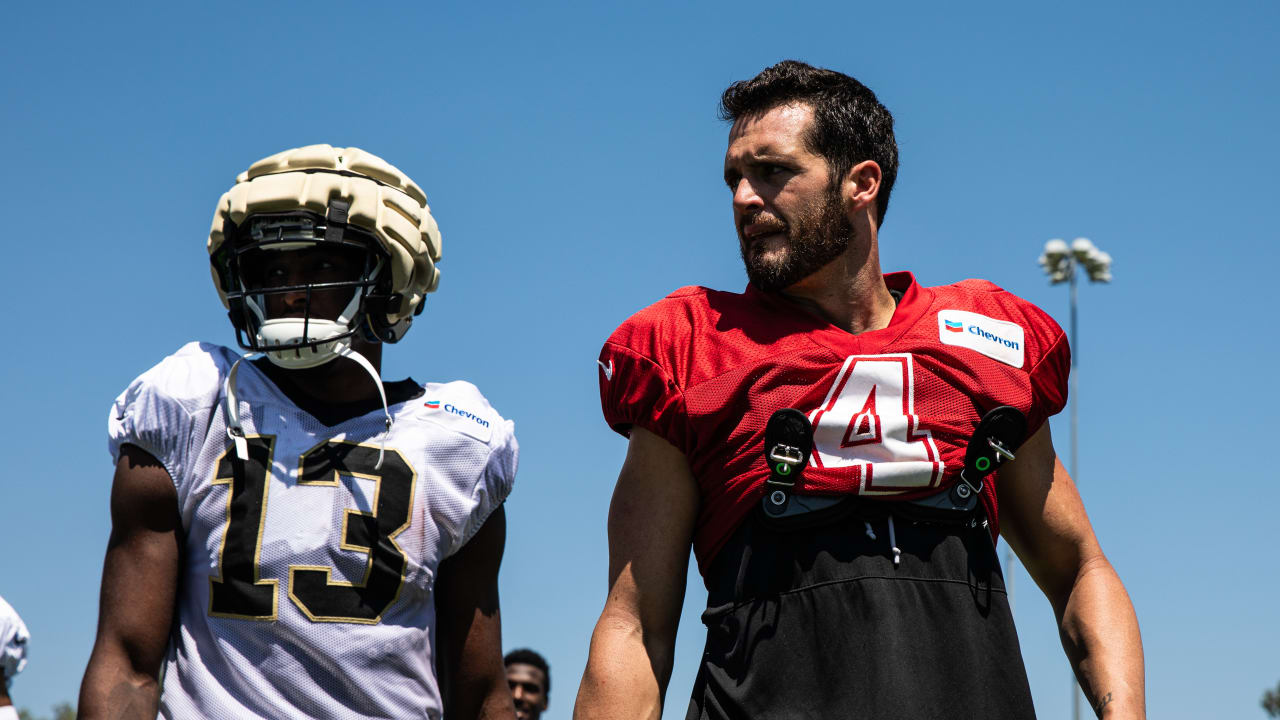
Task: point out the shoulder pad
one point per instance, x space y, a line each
192 376
687 290
459 406
977 285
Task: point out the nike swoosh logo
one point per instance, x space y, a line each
608 369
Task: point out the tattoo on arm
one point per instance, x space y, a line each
1102 703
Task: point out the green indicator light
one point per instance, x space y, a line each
982 463
783 469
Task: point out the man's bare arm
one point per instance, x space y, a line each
472 679
139 583
651 521
1044 521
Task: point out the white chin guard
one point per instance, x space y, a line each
287 331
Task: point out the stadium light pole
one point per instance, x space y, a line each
1063 264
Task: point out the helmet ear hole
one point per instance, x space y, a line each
379 307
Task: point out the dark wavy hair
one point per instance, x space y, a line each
849 123
525 656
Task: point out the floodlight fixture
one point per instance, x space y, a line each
1098 265
1056 260
1056 249
1059 261
1081 247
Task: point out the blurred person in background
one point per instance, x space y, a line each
13 655
529 678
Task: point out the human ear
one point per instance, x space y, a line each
861 185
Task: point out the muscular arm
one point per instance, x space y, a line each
1043 519
469 661
139 583
651 522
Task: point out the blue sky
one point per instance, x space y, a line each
572 156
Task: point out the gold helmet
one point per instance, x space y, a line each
322 197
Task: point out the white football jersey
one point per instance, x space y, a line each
307 575
13 642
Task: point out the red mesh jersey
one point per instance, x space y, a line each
892 409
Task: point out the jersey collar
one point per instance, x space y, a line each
915 301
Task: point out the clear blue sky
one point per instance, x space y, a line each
573 158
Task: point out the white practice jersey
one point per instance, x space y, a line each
307 575
13 642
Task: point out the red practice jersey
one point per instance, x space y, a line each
892 409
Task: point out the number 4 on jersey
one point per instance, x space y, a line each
867 422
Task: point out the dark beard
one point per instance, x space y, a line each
815 238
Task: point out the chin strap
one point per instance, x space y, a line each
232 405
344 350
236 432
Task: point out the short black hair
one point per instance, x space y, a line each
849 123
525 656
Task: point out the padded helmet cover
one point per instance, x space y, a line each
383 201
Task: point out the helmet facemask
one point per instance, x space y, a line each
298 284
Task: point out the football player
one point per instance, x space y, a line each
13 655
529 677
320 542
825 441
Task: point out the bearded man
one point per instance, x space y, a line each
827 441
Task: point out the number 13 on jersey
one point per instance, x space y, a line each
241 593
